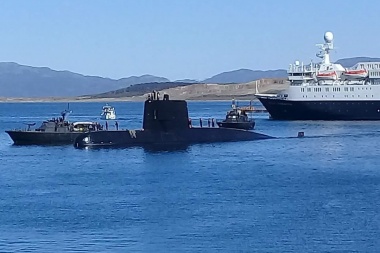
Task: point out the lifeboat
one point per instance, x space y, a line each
327 75
354 74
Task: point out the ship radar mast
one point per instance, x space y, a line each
326 47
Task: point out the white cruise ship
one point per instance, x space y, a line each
327 91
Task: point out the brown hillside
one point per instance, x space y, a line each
223 91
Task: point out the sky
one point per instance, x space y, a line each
180 39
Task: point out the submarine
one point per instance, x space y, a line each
165 123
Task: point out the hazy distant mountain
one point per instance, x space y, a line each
349 62
24 81
139 89
142 79
245 75
187 81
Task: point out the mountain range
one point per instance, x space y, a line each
25 81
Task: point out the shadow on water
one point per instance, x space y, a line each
166 148
154 148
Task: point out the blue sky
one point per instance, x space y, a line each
181 39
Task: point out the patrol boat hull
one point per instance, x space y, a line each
42 138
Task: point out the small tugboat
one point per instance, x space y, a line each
54 131
108 112
237 118
165 123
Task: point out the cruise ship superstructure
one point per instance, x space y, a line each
327 91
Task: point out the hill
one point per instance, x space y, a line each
349 62
139 89
24 81
201 91
245 75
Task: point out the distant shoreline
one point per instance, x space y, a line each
84 100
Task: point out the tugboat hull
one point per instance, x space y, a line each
237 125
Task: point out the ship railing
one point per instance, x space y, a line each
295 68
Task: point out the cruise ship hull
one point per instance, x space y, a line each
321 110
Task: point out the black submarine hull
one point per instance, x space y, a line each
42 138
130 138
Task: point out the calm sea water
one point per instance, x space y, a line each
320 193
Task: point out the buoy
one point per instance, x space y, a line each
301 134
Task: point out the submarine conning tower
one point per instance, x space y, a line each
165 115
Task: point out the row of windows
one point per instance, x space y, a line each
346 96
341 103
370 66
334 89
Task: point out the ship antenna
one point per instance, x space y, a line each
66 112
326 48
257 89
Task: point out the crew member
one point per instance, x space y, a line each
117 125
200 122
106 125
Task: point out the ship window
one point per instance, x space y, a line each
308 89
327 89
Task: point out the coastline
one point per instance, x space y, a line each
195 92
120 99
